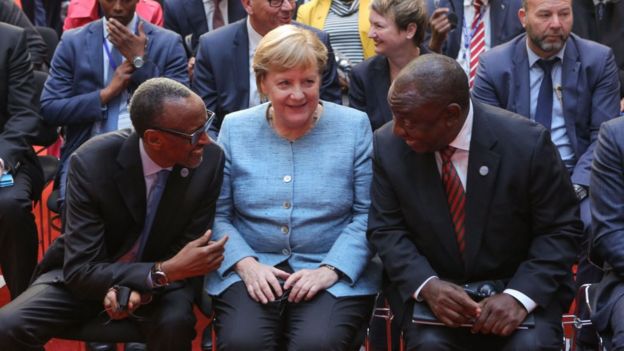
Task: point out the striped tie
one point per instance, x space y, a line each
454 195
477 40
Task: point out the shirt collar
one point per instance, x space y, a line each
462 140
131 26
533 57
149 166
254 37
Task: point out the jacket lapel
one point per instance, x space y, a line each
434 206
130 180
483 165
570 70
93 42
522 90
381 79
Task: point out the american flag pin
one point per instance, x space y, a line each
484 170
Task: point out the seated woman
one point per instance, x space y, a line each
298 270
397 28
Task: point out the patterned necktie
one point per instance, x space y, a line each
455 195
217 16
477 40
112 112
543 110
153 200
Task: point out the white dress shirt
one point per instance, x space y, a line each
254 38
463 57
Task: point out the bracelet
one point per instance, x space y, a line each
333 269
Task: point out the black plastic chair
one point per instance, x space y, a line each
50 37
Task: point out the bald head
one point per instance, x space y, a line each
430 78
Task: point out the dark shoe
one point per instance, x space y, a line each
100 346
135 346
206 341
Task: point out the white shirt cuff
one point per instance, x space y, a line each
417 293
526 301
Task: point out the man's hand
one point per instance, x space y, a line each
198 257
190 67
501 314
111 306
128 44
622 105
440 26
306 283
119 82
450 303
261 280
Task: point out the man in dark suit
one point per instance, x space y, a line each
607 184
601 21
11 14
139 205
464 192
189 17
223 78
19 123
498 17
91 79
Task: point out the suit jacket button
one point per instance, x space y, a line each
284 229
287 179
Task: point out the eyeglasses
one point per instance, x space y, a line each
278 3
194 137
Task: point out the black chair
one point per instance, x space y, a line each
50 37
583 297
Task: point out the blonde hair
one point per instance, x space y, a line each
405 12
287 47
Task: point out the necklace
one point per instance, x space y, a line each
293 134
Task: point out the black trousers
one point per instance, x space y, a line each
44 310
323 323
546 335
18 232
617 326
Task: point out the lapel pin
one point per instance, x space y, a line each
484 170
184 172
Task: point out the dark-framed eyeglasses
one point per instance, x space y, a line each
278 3
194 137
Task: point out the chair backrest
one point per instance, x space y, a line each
50 38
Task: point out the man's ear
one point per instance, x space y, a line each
153 139
454 115
247 6
522 16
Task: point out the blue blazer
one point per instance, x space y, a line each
71 95
189 17
368 89
328 201
503 19
589 80
221 75
607 192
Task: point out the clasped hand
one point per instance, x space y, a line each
263 281
112 308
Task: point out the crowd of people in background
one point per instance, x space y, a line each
305 161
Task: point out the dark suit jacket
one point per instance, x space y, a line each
53 13
19 118
105 207
608 31
521 222
607 192
590 90
503 19
368 90
11 14
222 70
189 17
71 96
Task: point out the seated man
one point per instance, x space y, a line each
19 122
462 193
139 205
224 78
607 199
96 68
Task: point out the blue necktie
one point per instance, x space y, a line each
113 106
153 201
40 14
543 111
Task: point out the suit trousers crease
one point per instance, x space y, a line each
323 323
46 309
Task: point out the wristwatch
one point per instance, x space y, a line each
159 277
333 269
581 192
138 61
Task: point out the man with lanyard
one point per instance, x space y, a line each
463 29
96 68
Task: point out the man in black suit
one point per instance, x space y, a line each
462 193
601 21
11 14
19 123
139 205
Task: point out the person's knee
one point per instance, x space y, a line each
233 339
177 324
11 328
331 338
12 209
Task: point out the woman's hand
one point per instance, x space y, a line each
261 280
306 283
